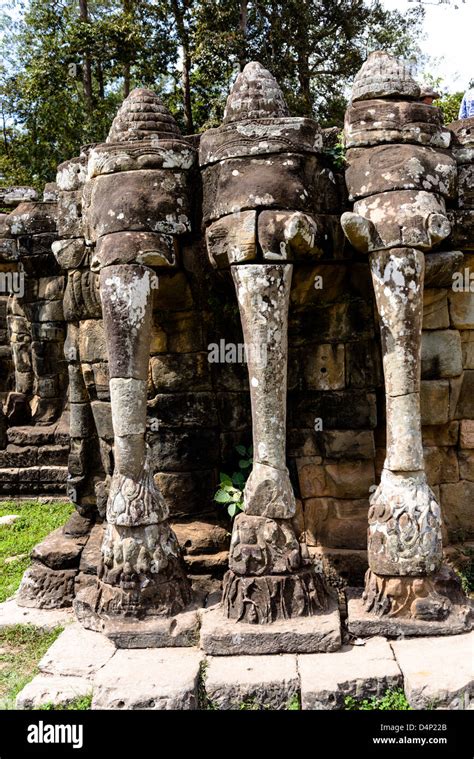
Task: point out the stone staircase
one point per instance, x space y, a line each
34 461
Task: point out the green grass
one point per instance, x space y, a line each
36 521
391 700
21 648
82 704
294 704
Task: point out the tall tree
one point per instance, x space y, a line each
70 62
313 48
87 69
181 12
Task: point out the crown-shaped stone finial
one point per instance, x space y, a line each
142 116
255 95
384 76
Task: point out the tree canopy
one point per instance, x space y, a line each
69 63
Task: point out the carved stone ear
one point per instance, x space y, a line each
360 232
438 227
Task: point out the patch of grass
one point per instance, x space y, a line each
294 704
21 648
251 705
79 705
36 521
392 700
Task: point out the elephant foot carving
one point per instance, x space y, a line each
269 598
271 576
428 598
135 500
141 572
404 535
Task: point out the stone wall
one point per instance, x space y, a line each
199 411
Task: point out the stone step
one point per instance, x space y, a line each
237 682
50 434
358 671
19 456
12 614
27 490
438 672
434 672
53 689
160 678
33 480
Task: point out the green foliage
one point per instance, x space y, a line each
312 47
82 704
231 488
392 700
450 105
448 102
294 704
466 574
65 74
338 152
251 705
16 540
204 702
22 647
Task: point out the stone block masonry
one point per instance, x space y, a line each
82 663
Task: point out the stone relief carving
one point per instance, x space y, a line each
115 224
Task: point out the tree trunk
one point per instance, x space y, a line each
128 11
126 80
304 78
86 72
187 62
188 111
243 19
100 80
5 138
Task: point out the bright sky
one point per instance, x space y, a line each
448 40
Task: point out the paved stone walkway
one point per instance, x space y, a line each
436 673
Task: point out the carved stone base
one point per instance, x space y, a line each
319 633
431 598
161 595
267 598
177 630
407 606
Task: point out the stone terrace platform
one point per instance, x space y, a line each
435 673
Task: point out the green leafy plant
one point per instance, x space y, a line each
230 492
466 573
251 705
392 700
204 702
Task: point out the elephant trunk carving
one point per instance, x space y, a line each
135 211
400 191
270 574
